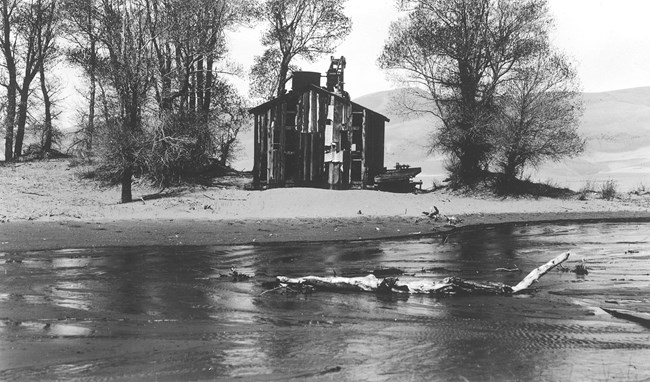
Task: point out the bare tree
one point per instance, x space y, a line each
44 136
157 65
7 39
81 26
303 29
49 93
538 116
230 117
188 39
191 90
456 54
122 32
36 26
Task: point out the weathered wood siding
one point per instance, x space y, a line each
293 132
374 143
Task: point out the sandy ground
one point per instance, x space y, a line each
46 205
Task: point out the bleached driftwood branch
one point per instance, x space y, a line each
449 285
367 283
539 272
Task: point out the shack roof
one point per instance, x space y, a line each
292 93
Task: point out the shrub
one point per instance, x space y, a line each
609 189
453 169
586 190
640 189
178 148
550 183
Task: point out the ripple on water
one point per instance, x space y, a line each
167 314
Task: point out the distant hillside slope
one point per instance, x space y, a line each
407 137
618 120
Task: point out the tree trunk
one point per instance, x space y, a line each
282 77
183 75
207 98
90 128
226 147
164 61
47 103
509 173
200 84
469 165
471 144
22 120
10 63
10 120
192 90
36 51
132 120
166 82
127 174
106 110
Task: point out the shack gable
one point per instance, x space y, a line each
293 94
313 137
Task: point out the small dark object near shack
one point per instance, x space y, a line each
315 136
399 179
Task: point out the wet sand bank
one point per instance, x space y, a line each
40 235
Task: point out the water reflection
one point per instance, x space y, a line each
74 295
171 309
44 329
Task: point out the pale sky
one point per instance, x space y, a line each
609 40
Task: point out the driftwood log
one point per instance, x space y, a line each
447 286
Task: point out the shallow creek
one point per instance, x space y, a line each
166 313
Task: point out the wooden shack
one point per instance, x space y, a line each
317 137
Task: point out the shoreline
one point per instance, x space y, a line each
22 236
47 205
